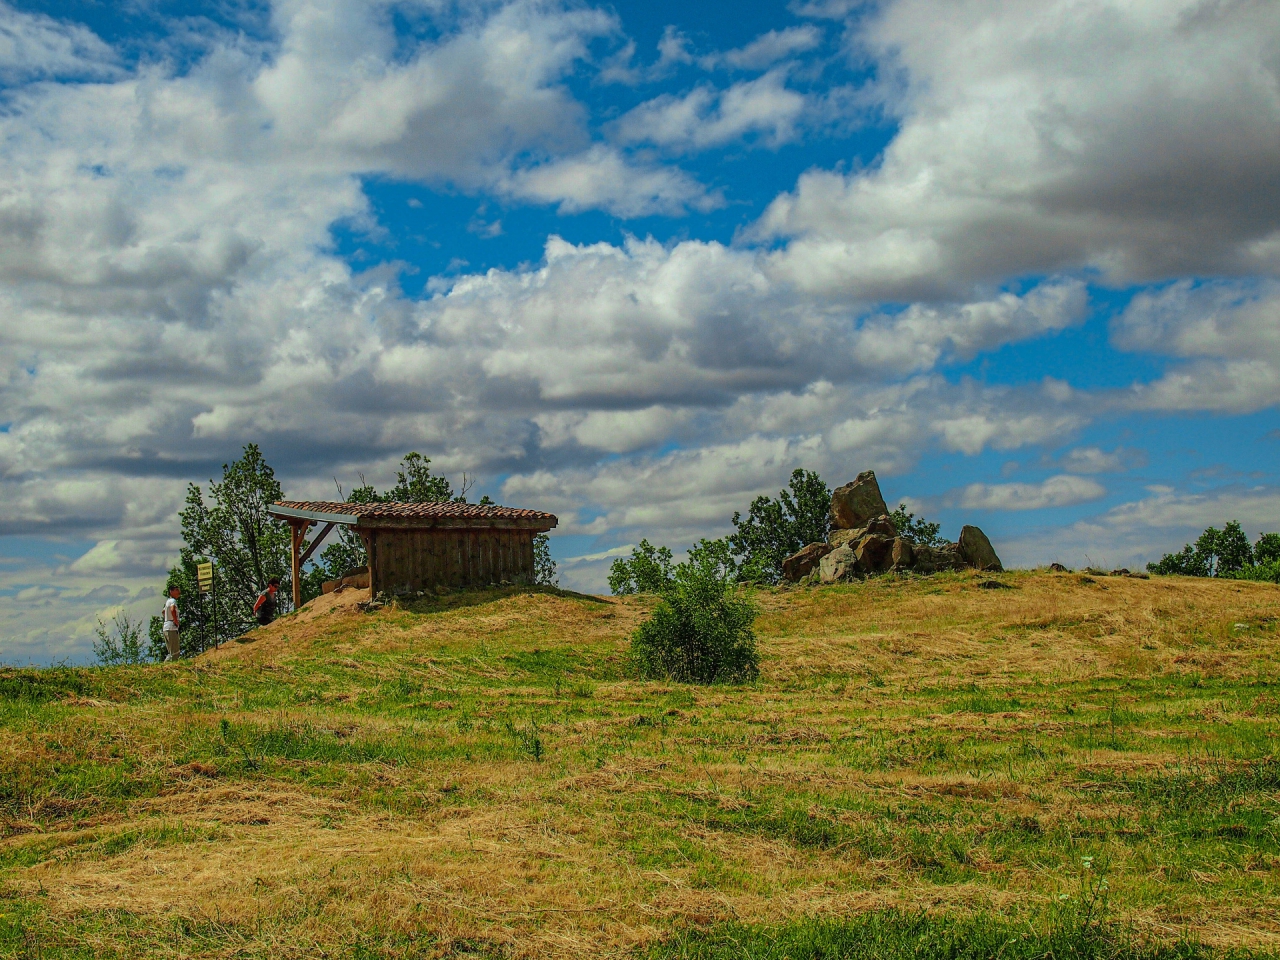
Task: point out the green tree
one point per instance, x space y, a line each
416 484
246 545
647 570
544 568
913 530
1216 553
775 528
702 631
1266 561
1267 549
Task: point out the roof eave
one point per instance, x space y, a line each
293 513
537 524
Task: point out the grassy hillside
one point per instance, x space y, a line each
478 776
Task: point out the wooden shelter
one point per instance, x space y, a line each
412 546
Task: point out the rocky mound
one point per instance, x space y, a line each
864 541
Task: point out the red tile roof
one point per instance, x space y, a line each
418 511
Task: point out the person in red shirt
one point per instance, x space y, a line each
265 607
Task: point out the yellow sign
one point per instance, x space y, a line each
204 576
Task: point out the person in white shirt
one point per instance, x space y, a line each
171 624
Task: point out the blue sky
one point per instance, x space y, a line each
634 263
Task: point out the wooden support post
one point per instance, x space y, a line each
298 532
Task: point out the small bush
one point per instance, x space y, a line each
1268 572
121 645
702 631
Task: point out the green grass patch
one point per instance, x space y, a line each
896 935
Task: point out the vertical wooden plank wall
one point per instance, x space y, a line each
415 559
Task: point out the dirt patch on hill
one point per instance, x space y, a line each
292 630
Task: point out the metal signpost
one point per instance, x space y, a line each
204 580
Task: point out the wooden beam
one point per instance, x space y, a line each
297 530
328 527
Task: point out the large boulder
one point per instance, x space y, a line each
855 503
839 564
881 526
976 550
903 554
801 563
874 553
934 559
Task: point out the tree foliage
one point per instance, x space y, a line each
1267 549
246 545
120 643
648 570
916 530
776 527
702 631
1266 561
544 568
415 483
1216 553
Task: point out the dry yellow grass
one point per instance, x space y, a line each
353 778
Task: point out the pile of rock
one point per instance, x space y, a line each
864 541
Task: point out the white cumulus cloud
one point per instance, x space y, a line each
1063 490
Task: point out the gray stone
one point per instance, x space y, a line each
881 526
842 538
801 563
976 550
935 559
839 564
903 555
855 503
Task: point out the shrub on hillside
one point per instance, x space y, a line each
701 631
1266 561
1266 572
120 643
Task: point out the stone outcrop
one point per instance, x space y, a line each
936 559
976 550
839 564
799 565
880 526
855 503
863 541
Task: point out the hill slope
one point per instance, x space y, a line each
477 775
